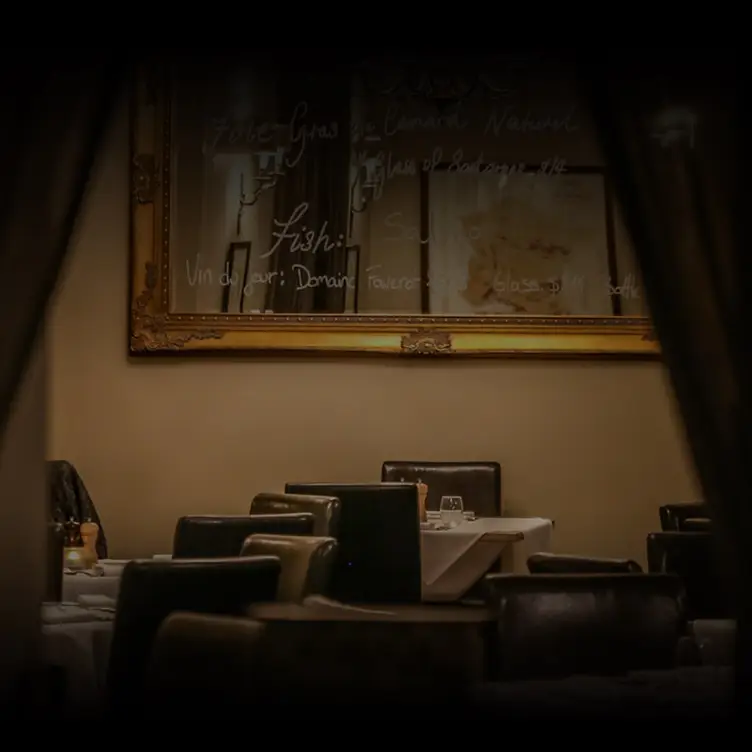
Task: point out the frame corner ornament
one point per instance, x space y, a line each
150 331
144 178
427 343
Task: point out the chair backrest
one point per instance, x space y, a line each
205 664
478 483
307 562
692 556
565 624
378 559
210 536
675 516
325 509
545 563
152 589
343 658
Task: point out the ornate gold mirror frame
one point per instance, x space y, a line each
154 328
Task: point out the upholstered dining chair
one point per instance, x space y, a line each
683 516
378 555
306 562
206 665
152 589
478 483
325 509
692 557
557 625
212 536
697 525
545 563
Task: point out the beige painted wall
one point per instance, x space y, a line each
594 445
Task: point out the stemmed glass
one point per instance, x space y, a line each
451 511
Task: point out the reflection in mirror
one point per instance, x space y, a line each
376 189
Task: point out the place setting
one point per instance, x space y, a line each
451 514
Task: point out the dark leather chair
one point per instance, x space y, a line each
378 559
151 590
205 665
544 563
478 483
552 626
715 640
675 516
697 525
288 656
307 563
325 509
691 556
209 536
69 499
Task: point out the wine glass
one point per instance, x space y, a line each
451 511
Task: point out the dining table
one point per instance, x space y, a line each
104 579
76 638
453 559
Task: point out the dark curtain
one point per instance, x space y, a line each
671 131
54 116
320 178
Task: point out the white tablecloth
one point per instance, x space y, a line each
84 583
452 561
78 639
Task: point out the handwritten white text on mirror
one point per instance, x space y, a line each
396 167
223 132
376 278
395 121
200 277
303 133
510 119
300 133
302 238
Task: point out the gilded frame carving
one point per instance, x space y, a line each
154 329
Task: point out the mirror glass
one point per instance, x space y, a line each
405 187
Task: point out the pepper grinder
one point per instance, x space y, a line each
89 533
72 534
422 499
74 554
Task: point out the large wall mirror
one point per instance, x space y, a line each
395 206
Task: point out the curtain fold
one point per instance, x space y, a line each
55 116
671 133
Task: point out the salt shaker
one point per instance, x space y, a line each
89 533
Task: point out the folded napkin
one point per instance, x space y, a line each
96 571
97 601
72 613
